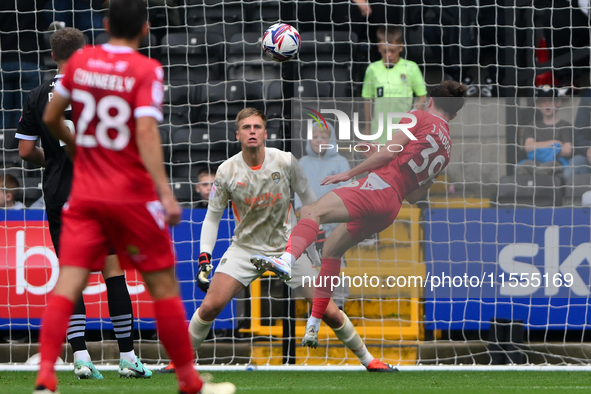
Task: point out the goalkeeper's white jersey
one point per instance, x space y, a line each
260 198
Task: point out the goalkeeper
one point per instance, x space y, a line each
258 181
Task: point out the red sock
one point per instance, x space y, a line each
55 321
330 268
174 335
302 236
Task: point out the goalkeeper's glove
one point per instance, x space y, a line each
205 268
320 238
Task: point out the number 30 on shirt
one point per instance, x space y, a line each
432 170
101 110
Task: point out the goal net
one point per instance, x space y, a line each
491 267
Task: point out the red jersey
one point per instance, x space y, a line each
110 86
420 160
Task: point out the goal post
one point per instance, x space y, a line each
492 267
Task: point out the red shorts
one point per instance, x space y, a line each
137 232
372 204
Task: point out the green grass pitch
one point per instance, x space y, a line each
324 382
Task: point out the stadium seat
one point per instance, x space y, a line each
196 55
148 47
10 157
575 187
328 46
224 100
183 190
199 146
32 189
179 94
275 135
313 89
262 10
246 60
339 75
530 190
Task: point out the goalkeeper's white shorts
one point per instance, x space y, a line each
236 263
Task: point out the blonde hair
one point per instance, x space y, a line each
247 113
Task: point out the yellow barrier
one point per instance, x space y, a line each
396 253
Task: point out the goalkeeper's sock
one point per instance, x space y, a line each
53 331
324 283
77 327
349 336
198 329
174 335
121 312
302 236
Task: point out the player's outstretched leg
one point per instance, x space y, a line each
276 265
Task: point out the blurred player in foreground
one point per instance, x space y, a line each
258 181
404 169
120 195
57 181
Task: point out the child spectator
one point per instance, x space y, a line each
317 165
548 143
10 190
390 77
205 180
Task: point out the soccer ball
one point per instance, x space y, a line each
281 42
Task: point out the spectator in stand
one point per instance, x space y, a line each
391 77
548 142
581 161
20 22
10 190
205 179
84 15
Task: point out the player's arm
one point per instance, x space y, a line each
218 201
416 195
28 134
31 153
150 149
54 119
373 162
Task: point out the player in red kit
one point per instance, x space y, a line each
120 195
404 169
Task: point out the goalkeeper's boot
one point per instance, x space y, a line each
168 369
311 337
376 365
129 370
214 388
86 370
273 264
